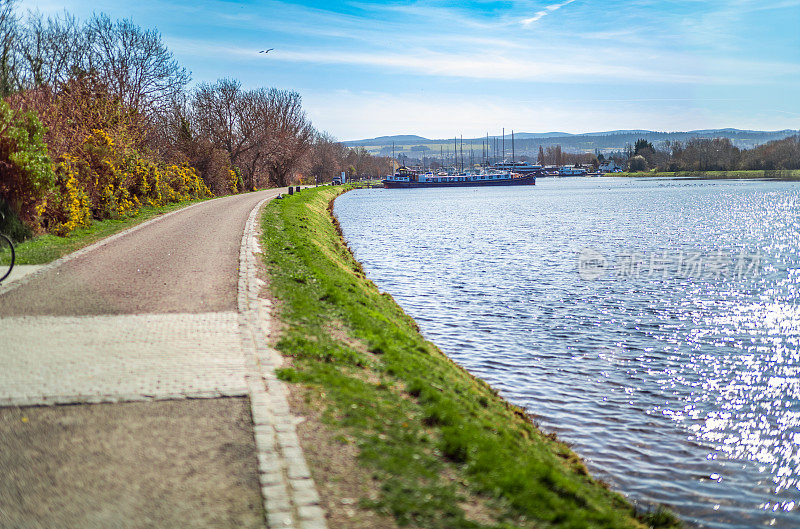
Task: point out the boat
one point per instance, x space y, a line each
522 168
406 178
571 170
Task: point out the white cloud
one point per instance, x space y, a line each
574 65
487 66
544 12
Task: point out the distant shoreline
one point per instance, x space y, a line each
786 174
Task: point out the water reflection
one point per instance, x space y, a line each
677 388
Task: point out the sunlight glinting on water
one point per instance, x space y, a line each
680 386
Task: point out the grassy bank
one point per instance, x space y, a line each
46 248
793 174
434 447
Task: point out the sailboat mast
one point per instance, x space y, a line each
504 146
487 151
471 158
462 153
512 147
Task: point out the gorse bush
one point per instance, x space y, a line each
106 181
105 172
100 178
184 183
83 158
67 206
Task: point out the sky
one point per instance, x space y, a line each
445 68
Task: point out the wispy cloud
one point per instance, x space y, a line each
544 12
573 65
488 67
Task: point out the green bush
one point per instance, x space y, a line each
26 172
11 225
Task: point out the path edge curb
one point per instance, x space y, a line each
290 497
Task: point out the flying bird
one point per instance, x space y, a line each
266 51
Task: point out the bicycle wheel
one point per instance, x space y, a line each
6 257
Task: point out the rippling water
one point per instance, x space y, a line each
672 365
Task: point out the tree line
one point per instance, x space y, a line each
715 154
98 119
696 154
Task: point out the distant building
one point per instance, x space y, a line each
609 166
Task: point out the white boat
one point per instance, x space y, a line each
571 170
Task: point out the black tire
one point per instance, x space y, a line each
6 249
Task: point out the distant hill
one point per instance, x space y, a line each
527 143
400 139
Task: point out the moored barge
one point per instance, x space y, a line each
408 178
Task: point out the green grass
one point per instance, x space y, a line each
429 434
5 256
46 248
792 174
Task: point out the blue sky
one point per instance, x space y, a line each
442 68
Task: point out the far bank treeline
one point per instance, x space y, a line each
97 120
696 154
714 154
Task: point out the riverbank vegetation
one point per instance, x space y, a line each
792 174
98 121
715 155
429 445
697 157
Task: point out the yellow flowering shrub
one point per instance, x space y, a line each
67 206
105 179
119 181
184 183
107 175
75 152
147 183
233 181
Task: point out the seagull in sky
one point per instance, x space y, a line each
266 51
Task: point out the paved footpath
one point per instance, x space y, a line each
167 310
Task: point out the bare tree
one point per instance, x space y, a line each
292 134
51 50
552 155
236 121
326 158
214 111
264 131
137 66
8 31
